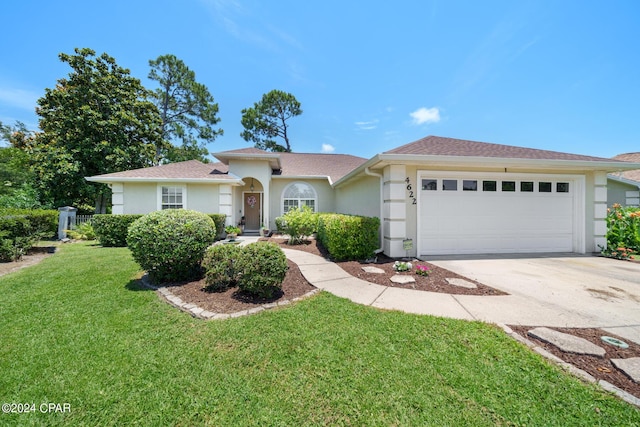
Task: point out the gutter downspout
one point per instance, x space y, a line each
379 176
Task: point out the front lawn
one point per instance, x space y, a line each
78 329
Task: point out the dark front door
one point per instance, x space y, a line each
252 204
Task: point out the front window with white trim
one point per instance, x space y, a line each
172 198
298 194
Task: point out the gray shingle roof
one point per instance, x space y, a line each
440 146
191 169
335 166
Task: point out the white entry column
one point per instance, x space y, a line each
394 222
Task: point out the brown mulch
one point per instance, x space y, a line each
434 282
232 300
600 368
33 256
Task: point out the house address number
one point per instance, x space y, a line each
412 195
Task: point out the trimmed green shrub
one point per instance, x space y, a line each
623 232
20 229
220 264
219 220
263 266
348 237
300 223
170 244
111 230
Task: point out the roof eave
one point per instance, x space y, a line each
623 180
380 160
608 166
328 178
112 180
273 158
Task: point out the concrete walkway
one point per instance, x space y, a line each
514 309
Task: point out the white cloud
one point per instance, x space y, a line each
328 148
425 115
367 125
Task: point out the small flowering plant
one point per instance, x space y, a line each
422 270
400 266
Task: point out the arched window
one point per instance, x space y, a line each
298 194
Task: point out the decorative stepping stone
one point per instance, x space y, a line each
402 280
462 283
374 270
631 367
566 342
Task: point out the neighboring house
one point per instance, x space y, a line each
433 196
623 187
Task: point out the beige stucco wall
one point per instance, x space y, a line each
359 197
617 192
203 198
140 198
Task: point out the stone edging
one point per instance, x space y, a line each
585 376
201 313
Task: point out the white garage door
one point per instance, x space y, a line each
475 214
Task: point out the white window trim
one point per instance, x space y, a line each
315 196
159 194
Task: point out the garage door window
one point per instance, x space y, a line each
450 184
526 187
508 186
562 187
429 184
489 186
469 185
544 187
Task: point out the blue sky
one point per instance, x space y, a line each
557 75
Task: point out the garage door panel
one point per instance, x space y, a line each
495 222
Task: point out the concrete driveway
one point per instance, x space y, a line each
554 290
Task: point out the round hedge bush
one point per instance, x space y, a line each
263 266
220 264
170 244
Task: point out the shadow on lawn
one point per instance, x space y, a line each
136 285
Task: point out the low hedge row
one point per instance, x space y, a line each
111 230
348 237
20 229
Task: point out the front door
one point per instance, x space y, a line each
252 205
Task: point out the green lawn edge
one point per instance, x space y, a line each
79 329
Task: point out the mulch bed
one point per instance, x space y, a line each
434 282
600 368
232 300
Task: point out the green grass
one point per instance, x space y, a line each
77 329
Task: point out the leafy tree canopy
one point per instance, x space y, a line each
97 120
267 120
187 109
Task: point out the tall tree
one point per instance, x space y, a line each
187 109
267 120
16 135
96 120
